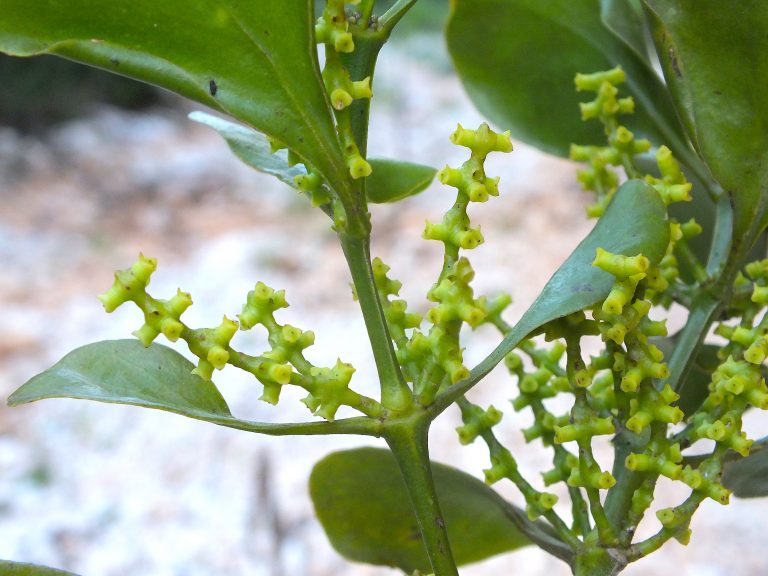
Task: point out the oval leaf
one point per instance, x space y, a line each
256 62
635 222
362 502
715 59
748 477
8 568
393 180
124 372
518 58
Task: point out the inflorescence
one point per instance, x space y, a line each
284 364
622 392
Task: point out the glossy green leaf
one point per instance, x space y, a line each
748 477
8 568
362 502
254 61
124 372
715 59
518 58
393 180
634 223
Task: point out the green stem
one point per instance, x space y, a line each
618 501
710 300
366 9
409 445
392 16
395 394
356 426
596 561
361 64
538 532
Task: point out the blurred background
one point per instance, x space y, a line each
95 168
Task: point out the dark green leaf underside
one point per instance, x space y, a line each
362 503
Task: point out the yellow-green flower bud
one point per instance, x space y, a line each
477 421
593 82
171 328
622 267
584 430
482 141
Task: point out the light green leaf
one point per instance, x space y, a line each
518 58
715 60
8 568
124 372
362 502
748 477
634 223
393 180
254 61
252 147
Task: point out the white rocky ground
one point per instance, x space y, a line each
118 491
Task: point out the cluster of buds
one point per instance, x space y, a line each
429 359
622 144
284 363
622 150
332 30
622 390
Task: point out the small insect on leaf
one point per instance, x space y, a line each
213 87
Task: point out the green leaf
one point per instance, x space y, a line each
625 19
8 568
715 59
518 58
255 62
393 180
748 477
634 223
252 147
124 372
362 502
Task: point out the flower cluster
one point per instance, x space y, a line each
623 391
283 364
434 358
